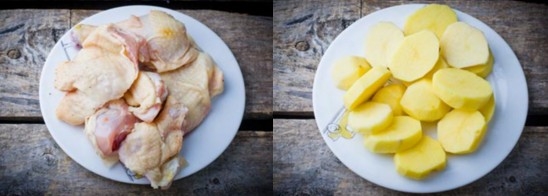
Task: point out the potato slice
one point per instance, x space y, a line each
433 17
415 57
464 46
370 117
365 87
461 89
483 70
422 159
488 109
391 95
347 70
381 42
420 102
461 131
439 65
402 134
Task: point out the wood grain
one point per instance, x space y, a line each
304 165
304 29
32 163
28 36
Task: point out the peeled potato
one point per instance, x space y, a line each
464 46
420 102
433 17
347 70
460 131
439 65
365 87
370 117
420 160
488 109
381 42
402 134
483 70
461 89
391 95
415 57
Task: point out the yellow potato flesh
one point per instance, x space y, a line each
420 160
483 70
461 131
391 95
461 89
464 46
402 134
420 102
439 65
488 109
415 57
433 17
370 117
347 70
381 42
365 87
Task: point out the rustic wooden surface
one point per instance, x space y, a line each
303 30
26 37
304 165
32 163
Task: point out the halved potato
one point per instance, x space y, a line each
433 17
415 57
381 42
461 131
464 46
365 87
461 89
421 160
391 95
347 70
420 102
370 117
402 134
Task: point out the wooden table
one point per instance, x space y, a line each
303 30
32 163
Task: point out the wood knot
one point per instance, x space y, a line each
14 54
512 179
302 46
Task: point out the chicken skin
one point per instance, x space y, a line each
194 85
146 96
98 74
168 44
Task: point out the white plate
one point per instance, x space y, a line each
200 148
510 90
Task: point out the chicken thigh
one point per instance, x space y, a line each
98 73
191 85
169 46
108 127
146 96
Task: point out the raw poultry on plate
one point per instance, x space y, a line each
139 86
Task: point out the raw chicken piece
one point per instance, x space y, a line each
146 96
147 153
99 73
108 127
191 86
169 46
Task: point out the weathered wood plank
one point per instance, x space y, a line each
25 41
303 164
304 30
32 163
34 32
